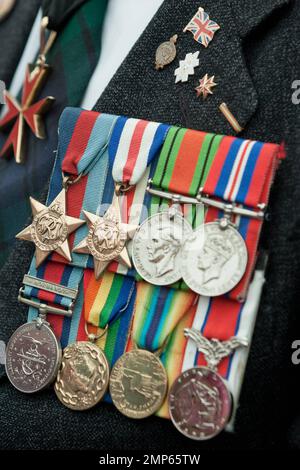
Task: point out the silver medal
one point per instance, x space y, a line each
33 357
213 259
157 246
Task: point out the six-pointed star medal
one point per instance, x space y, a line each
106 239
27 112
50 228
206 83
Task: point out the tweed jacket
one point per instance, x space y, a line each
255 61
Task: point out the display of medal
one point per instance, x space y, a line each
107 238
138 383
214 258
33 352
83 377
157 245
200 403
50 228
33 356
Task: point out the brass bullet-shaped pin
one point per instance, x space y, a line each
230 118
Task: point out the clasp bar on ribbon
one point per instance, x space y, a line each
51 287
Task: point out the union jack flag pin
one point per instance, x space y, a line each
202 27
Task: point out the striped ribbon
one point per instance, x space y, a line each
133 145
219 318
157 312
188 161
236 170
83 138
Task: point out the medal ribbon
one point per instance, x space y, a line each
133 145
79 130
83 139
219 318
157 312
88 143
228 168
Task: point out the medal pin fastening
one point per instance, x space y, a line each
44 309
227 208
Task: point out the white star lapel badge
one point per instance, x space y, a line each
186 67
50 228
106 239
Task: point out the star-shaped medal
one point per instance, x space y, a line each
27 112
50 228
186 67
206 83
106 239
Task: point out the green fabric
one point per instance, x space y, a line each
73 58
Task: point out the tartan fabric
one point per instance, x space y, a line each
73 59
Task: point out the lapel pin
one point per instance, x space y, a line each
206 83
166 53
230 118
202 27
186 67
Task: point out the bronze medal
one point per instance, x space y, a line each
106 239
50 228
166 53
83 377
200 402
138 384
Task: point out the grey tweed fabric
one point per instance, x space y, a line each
254 59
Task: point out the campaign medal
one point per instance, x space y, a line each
166 53
200 403
157 247
33 356
33 353
214 258
106 239
29 112
50 228
83 376
138 383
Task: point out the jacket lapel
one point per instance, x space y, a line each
137 89
250 14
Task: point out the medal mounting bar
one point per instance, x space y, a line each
227 208
51 287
